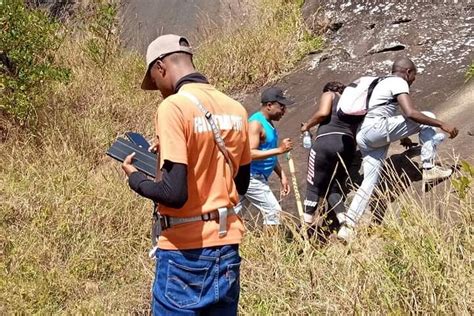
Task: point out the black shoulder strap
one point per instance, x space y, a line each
371 90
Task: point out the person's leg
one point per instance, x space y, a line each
372 141
372 162
239 208
262 197
339 188
400 127
311 200
322 161
184 281
336 204
228 284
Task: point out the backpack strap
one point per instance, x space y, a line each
370 90
215 130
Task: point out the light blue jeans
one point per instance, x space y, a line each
262 197
374 139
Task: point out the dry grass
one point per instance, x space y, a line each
264 47
416 263
73 236
74 239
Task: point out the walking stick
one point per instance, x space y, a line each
299 205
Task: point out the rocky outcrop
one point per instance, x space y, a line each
364 38
144 20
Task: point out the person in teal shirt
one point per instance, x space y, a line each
264 148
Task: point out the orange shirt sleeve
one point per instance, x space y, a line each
170 129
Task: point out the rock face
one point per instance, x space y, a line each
364 38
367 36
144 20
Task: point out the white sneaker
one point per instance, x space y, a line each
436 173
346 233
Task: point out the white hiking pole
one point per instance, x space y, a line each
299 205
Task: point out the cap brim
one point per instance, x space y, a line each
147 83
285 101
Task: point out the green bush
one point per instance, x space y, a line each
463 182
470 72
28 67
102 29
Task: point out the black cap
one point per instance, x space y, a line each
275 94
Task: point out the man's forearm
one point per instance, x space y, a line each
171 191
263 154
419 117
278 170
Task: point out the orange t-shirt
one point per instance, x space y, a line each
185 137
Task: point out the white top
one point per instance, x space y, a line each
383 102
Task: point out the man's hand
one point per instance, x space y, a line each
285 185
285 146
127 165
451 130
155 147
304 127
407 143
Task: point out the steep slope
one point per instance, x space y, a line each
365 39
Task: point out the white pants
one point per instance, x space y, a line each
373 139
262 197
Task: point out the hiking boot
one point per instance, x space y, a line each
436 173
346 233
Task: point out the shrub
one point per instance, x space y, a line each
470 72
463 182
102 28
28 66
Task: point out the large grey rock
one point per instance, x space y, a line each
144 20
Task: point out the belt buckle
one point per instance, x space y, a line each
206 217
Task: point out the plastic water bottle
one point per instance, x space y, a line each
307 140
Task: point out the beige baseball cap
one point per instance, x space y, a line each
159 48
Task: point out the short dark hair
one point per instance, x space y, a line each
334 86
403 63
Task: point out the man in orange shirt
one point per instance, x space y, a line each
198 262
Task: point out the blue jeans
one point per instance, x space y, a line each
197 282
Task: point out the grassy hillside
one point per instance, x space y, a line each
74 238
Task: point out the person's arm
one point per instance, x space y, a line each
255 135
409 110
285 185
323 111
242 179
171 191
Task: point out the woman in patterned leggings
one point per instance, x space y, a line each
331 154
